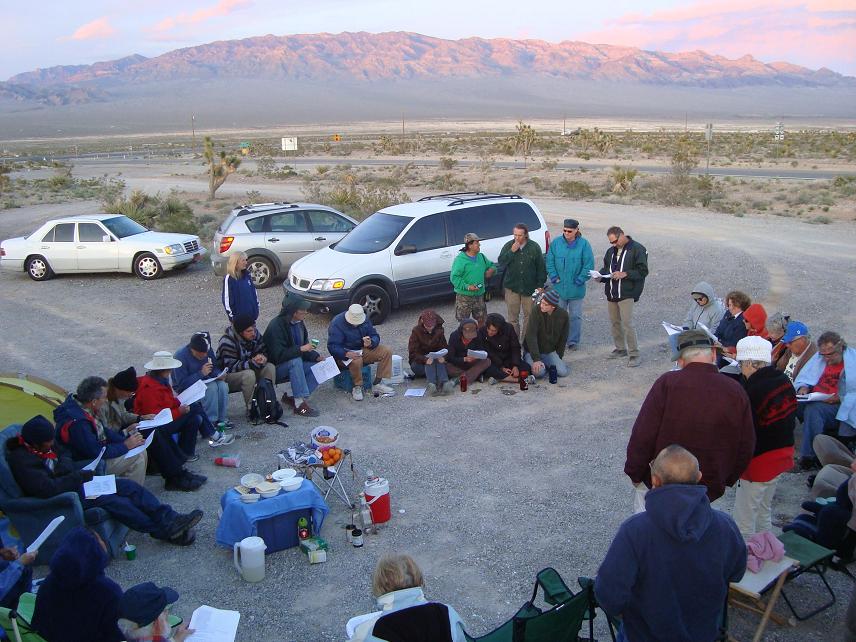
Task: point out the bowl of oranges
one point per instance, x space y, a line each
330 455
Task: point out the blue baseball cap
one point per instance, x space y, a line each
794 330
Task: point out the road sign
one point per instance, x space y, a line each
289 144
708 132
779 131
336 137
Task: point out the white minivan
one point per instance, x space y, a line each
403 253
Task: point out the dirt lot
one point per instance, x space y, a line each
493 486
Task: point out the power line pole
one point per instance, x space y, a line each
708 134
193 128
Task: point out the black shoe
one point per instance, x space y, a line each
184 483
810 481
200 478
183 523
184 539
808 463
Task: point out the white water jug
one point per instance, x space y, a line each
249 557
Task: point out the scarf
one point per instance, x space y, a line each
49 457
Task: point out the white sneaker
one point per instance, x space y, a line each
530 379
220 439
449 388
383 389
357 393
431 389
492 381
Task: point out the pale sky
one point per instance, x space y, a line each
812 33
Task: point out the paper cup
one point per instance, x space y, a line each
130 551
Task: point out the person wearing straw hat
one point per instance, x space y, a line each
351 337
155 393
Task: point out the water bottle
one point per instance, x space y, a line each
463 383
553 374
524 385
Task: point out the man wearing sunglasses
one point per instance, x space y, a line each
832 371
569 261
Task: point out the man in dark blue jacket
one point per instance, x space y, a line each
351 337
667 571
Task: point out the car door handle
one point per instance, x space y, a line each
46 247
273 239
81 247
320 238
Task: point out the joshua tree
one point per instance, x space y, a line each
219 166
524 139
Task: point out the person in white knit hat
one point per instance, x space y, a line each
774 407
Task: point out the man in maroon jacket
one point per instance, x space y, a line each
698 408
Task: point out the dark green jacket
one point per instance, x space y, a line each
524 269
279 340
634 261
546 333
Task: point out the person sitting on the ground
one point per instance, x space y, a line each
405 615
705 310
667 571
243 354
198 364
154 393
755 320
351 335
458 362
290 351
547 336
80 430
731 328
41 472
777 325
503 348
77 602
826 373
239 292
774 409
428 336
16 575
163 451
144 614
798 349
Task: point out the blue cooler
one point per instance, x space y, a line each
344 380
280 532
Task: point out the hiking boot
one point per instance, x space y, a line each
615 354
357 393
305 410
431 389
492 381
220 439
633 362
806 464
383 389
184 539
191 457
183 523
448 388
184 483
200 478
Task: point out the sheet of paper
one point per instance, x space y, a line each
94 462
347 361
671 328
100 485
414 392
213 625
50 528
814 396
597 275
161 419
708 332
215 374
438 354
141 447
324 370
192 394
477 354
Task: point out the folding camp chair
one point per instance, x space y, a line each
561 623
814 559
17 628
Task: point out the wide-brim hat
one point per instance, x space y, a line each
163 360
355 315
694 339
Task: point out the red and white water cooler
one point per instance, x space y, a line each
377 497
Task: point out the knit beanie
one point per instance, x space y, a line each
243 321
37 430
198 342
125 380
551 297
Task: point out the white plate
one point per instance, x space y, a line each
284 473
251 480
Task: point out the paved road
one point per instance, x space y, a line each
739 172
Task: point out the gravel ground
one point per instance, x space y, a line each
493 486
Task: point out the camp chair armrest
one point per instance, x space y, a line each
33 505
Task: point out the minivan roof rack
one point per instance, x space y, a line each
255 207
459 198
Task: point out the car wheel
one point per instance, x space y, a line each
38 268
147 267
375 302
261 271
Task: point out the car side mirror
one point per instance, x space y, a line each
405 249
106 238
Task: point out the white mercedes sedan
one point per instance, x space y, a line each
99 243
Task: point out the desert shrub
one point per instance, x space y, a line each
621 180
549 163
254 196
322 169
447 163
165 214
574 189
447 182
350 196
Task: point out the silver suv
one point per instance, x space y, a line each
275 235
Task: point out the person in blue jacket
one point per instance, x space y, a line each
352 337
239 293
16 575
569 260
667 571
198 363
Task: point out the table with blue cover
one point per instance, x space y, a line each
240 520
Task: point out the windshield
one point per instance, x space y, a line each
374 234
122 226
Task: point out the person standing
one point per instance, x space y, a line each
626 263
470 271
569 262
525 273
239 293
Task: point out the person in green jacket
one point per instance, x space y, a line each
546 336
569 261
470 271
524 274
289 349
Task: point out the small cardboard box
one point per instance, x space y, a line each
315 549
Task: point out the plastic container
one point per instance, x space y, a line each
327 432
397 376
377 497
249 558
228 462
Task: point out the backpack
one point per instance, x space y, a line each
264 406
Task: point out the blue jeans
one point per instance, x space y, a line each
818 417
549 359
187 426
574 308
216 400
299 373
435 373
135 507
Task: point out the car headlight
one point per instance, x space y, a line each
177 248
327 284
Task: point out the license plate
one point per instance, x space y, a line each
196 257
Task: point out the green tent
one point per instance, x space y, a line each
24 396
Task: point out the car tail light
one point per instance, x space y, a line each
2 251
226 243
547 239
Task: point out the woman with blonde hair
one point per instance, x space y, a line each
405 615
239 293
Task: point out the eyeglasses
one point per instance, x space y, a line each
828 354
699 298
612 242
569 231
